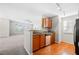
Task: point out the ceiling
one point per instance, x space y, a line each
34 11
39 9
46 8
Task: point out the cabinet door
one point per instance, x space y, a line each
42 41
53 38
46 23
35 42
49 23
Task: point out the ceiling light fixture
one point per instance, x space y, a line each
59 8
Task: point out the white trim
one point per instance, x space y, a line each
69 15
27 51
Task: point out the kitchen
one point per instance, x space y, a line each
47 30
47 40
43 38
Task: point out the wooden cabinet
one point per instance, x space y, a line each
42 40
38 41
47 23
53 38
35 42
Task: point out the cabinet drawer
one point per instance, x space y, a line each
35 36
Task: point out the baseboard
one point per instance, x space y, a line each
68 42
27 51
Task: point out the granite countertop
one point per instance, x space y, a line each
35 32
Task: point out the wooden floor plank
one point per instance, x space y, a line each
57 49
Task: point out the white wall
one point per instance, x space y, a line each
4 27
15 12
16 28
28 38
56 28
66 36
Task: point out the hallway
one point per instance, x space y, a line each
57 49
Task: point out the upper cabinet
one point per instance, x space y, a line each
47 22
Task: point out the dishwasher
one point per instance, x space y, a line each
48 39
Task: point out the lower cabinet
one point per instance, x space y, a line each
53 38
35 42
41 40
38 41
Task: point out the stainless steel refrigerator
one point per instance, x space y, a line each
76 36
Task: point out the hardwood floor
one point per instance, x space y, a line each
57 49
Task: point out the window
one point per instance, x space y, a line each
68 26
